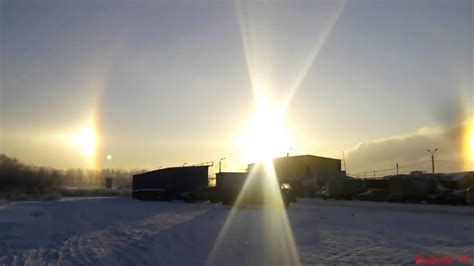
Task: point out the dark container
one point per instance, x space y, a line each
412 188
251 189
229 185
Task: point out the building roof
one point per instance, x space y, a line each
231 173
301 156
173 168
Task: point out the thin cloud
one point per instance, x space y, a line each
409 149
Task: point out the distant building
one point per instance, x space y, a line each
305 167
461 180
108 182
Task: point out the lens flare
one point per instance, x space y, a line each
275 244
267 136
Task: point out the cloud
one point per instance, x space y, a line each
410 149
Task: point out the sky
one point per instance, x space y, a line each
148 84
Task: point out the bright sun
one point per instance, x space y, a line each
267 137
86 140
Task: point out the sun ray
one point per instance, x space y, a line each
266 138
277 230
315 52
256 68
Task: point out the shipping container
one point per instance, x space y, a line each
412 187
232 185
229 185
343 188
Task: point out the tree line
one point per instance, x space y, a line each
18 176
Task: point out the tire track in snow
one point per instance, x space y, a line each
123 244
136 239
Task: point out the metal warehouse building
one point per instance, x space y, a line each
172 181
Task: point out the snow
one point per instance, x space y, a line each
122 231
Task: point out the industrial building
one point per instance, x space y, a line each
304 167
169 183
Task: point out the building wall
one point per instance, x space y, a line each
305 167
176 180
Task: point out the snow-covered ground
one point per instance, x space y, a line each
122 231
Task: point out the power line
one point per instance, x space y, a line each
454 162
408 166
390 169
415 164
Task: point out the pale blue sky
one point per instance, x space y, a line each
168 81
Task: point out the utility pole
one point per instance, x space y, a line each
220 163
397 168
432 158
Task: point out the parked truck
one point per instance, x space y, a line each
255 190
